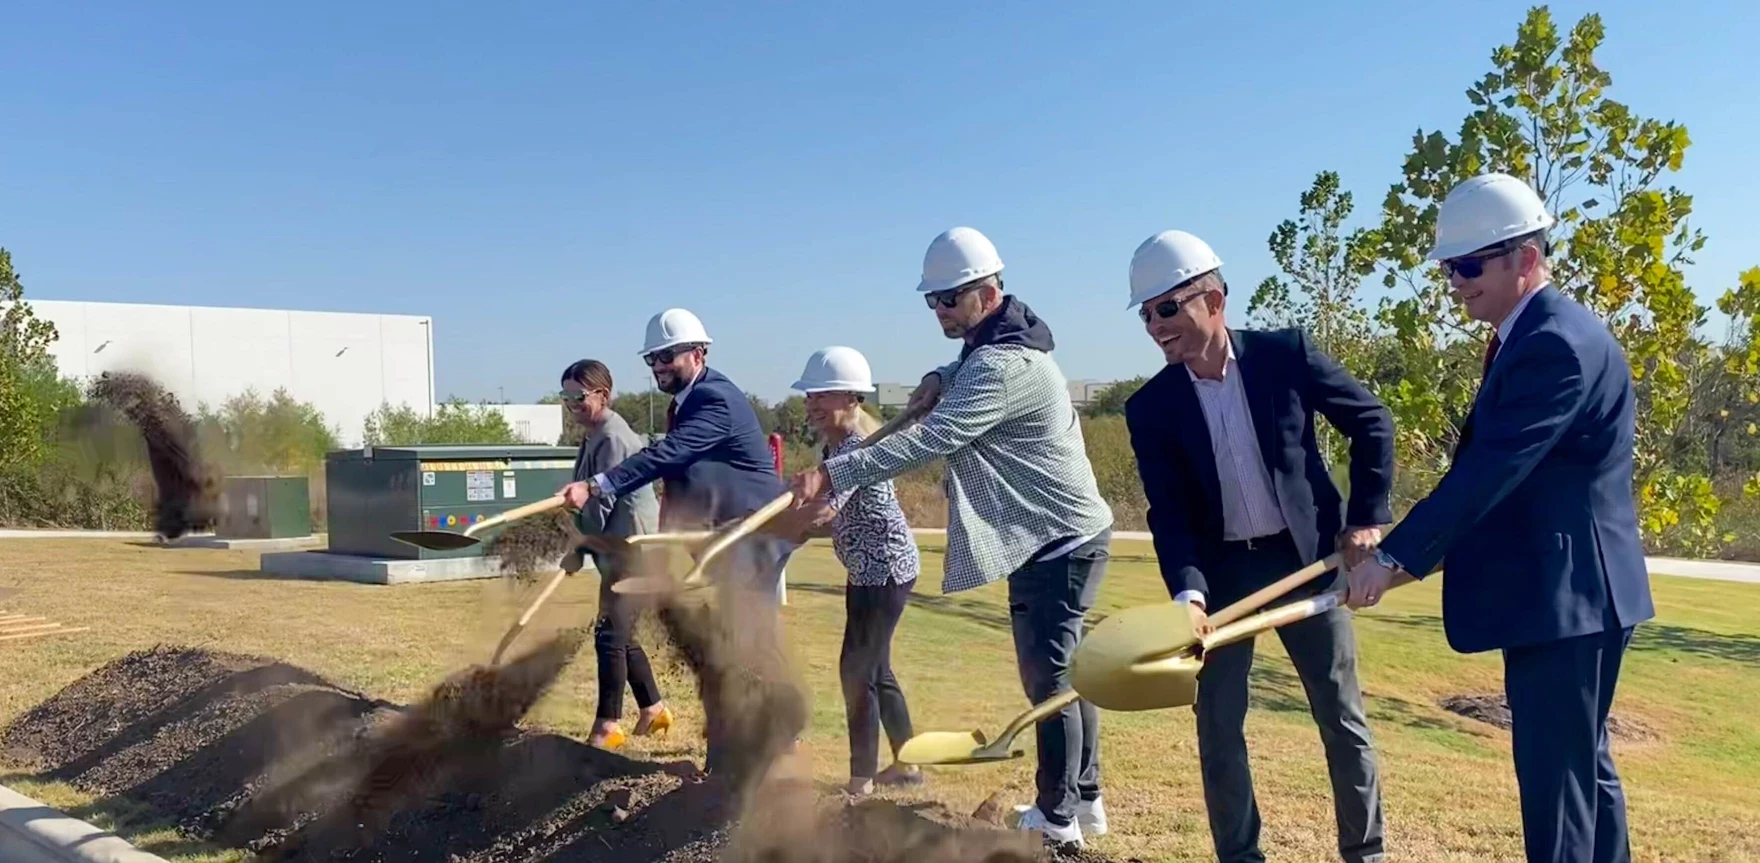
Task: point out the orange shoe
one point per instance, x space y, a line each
658 726
610 741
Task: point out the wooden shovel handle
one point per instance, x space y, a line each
903 419
1283 615
1275 590
531 611
516 514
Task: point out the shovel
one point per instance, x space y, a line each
446 540
1161 631
706 545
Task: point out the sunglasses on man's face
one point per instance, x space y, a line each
1166 308
665 357
1472 266
946 299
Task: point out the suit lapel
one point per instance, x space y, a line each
1256 382
1188 422
1536 312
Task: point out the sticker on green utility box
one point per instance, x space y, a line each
479 485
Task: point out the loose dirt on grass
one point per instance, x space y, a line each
248 752
1493 709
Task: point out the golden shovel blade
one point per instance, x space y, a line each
953 747
1143 658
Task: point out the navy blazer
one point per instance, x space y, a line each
716 461
1534 521
1286 380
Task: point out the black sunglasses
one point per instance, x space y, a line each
665 356
1166 308
948 299
1473 266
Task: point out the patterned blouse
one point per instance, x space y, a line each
870 534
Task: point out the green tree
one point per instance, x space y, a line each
1622 241
1323 269
645 411
279 434
455 422
1110 401
789 419
1742 360
29 383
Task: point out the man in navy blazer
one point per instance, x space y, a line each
717 467
1534 520
1239 496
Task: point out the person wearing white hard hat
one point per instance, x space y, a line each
1023 504
875 545
1240 496
1534 520
716 466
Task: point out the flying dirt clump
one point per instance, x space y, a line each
531 546
186 487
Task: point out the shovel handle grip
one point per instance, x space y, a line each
1276 589
739 531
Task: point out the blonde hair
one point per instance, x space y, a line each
866 423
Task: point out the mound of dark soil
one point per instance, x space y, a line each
1494 710
252 753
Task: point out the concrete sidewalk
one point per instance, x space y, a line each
1717 570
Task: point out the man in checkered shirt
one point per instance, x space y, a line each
1021 497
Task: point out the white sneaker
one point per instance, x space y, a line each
1091 817
1030 818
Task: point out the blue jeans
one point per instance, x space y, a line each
1046 602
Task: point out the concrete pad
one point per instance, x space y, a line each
285 543
324 566
33 833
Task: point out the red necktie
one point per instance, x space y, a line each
1490 354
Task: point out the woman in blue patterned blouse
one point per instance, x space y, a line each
874 542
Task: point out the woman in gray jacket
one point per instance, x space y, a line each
586 391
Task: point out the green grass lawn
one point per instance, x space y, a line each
1692 678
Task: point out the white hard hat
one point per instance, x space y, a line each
674 327
1167 260
836 369
1484 211
958 256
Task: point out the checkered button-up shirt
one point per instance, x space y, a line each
1017 477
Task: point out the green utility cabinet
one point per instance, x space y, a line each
264 507
374 491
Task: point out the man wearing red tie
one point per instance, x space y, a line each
1534 521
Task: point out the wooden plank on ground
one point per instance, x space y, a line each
62 631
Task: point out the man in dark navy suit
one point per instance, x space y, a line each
1239 496
1534 521
716 467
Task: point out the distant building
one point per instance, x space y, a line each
540 424
344 364
1080 393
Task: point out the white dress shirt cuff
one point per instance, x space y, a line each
1192 596
603 486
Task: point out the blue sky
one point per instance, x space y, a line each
543 177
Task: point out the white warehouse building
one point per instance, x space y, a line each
345 364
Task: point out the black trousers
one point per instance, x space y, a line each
1324 652
1573 806
621 660
871 695
1046 602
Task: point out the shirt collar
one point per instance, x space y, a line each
1228 360
685 393
1509 320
